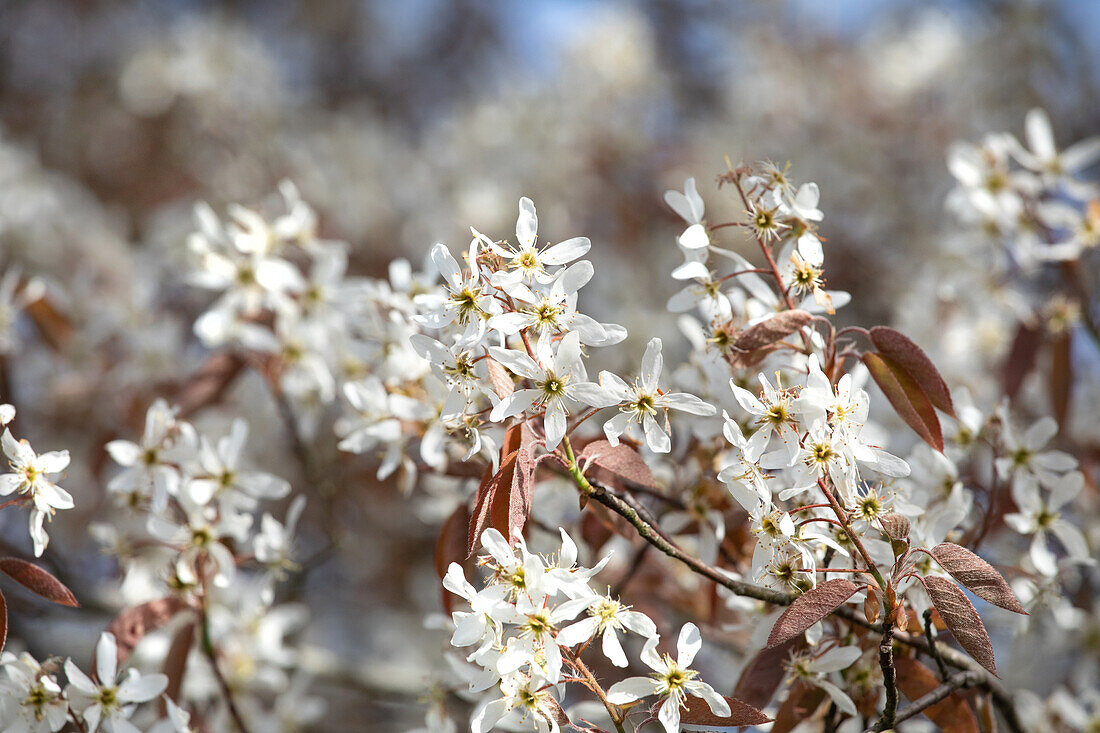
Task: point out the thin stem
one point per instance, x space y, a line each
889 677
211 655
613 711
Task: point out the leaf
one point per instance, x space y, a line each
895 526
132 624
175 663
207 385
56 328
801 703
765 671
961 619
621 460
1061 377
951 714
909 401
1021 358
764 334
809 608
900 350
772 329
872 606
981 578
499 378
741 713
37 581
504 498
450 547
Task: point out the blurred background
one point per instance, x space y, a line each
404 123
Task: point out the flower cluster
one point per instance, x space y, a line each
524 624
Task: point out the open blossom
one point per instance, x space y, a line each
31 701
645 404
672 679
465 299
526 263
607 617
30 477
560 385
1037 517
112 700
689 205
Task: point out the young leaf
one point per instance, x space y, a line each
977 575
1021 358
764 673
504 498
499 378
741 713
951 714
872 606
906 397
37 581
801 704
809 608
175 663
900 350
770 330
621 460
962 620
895 526
132 624
206 385
1061 377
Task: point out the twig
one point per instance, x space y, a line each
889 676
933 652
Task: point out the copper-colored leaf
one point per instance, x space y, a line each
771 330
758 339
499 378
1021 358
895 526
961 619
900 350
907 398
56 329
132 624
872 606
37 581
977 575
801 703
741 713
1061 377
504 498
450 547
951 714
762 676
809 608
621 460
207 384
3 622
175 663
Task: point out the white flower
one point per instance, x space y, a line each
1037 517
1043 156
689 205
113 700
560 384
814 670
464 299
147 465
30 698
672 680
29 476
1025 462
526 263
607 617
644 403
223 477
523 697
